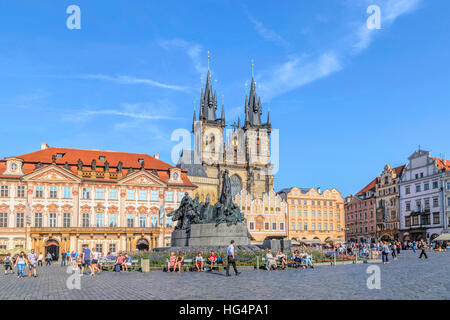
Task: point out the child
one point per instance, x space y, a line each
199 262
8 263
172 262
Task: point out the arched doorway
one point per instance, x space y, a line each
386 237
142 245
52 247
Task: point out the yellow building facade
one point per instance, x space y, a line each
313 214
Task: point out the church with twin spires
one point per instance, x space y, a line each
242 149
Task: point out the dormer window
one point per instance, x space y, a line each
101 158
140 160
59 155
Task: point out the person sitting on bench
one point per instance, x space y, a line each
199 262
119 262
308 259
127 262
282 257
271 263
172 262
212 259
179 262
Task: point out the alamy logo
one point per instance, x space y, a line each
74 20
374 280
73 281
374 20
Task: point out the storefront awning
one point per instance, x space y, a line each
443 237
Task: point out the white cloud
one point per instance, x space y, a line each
133 80
266 33
192 50
296 71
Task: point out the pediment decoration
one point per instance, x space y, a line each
113 209
52 173
142 178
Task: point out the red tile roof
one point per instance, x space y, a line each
399 170
370 186
442 163
71 156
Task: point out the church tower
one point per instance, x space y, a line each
208 130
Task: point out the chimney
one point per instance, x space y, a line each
44 146
156 156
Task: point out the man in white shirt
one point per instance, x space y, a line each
230 260
271 263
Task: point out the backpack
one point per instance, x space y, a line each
117 268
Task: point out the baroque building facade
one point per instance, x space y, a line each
422 215
313 214
446 202
388 199
360 214
59 199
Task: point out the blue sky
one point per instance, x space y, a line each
345 99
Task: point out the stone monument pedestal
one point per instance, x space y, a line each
208 234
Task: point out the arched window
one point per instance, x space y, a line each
236 185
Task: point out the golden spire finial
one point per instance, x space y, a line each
208 59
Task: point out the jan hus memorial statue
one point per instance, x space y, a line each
200 224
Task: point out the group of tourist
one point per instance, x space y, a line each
89 260
175 262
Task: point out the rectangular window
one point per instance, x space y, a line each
313 213
331 214
338 227
408 221
292 213
299 226
112 247
180 196
266 226
313 227
325 226
4 191
52 219
99 220
319 226
418 188
435 184
305 202
113 194
426 219
436 218
3 220
426 186
86 193
448 201
39 192
407 190
112 220
142 195
154 220
67 192
252 226
169 196
38 219
427 203
53 192
319 213
99 247
274 226
19 219
305 226
292 225
338 215
85 220
154 195
331 227
130 194
299 213
66 219
100 193
20 191
408 205
324 214
169 223
435 202
130 220
142 220
448 185
281 226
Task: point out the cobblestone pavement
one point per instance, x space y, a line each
406 278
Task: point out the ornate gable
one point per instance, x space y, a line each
52 173
142 178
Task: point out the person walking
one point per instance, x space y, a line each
385 253
414 246
230 259
40 259
49 259
86 257
32 264
423 247
21 262
63 259
8 263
